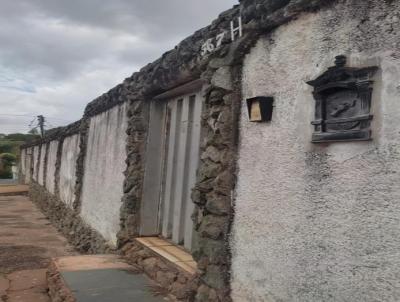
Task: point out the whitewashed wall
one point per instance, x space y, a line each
35 162
104 167
28 161
42 163
70 152
51 166
319 222
23 161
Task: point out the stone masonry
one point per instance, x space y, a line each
221 73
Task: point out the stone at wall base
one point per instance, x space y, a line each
79 234
174 280
58 290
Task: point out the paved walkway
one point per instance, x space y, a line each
103 278
27 243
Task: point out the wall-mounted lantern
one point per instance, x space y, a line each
342 103
260 108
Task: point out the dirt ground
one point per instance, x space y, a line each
13 189
27 243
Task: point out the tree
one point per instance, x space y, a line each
34 131
9 150
7 160
21 137
7 147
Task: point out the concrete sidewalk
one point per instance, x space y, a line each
100 278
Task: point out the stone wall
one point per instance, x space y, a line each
315 222
138 118
60 146
170 277
221 72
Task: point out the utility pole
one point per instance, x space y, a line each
41 124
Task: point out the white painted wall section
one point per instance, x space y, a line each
35 162
51 166
28 162
104 166
319 222
41 165
70 152
23 161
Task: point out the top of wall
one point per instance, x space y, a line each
55 134
184 63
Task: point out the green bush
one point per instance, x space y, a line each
8 159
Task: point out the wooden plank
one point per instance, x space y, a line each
153 241
181 177
170 169
153 170
194 162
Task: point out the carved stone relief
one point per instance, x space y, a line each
342 103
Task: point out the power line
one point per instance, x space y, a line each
41 121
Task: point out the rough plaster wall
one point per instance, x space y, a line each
104 167
35 162
319 222
70 152
51 166
41 166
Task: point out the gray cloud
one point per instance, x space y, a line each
56 56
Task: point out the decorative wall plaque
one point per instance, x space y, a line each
342 103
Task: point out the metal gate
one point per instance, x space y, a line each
171 165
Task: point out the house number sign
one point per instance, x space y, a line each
215 43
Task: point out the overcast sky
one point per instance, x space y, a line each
58 55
